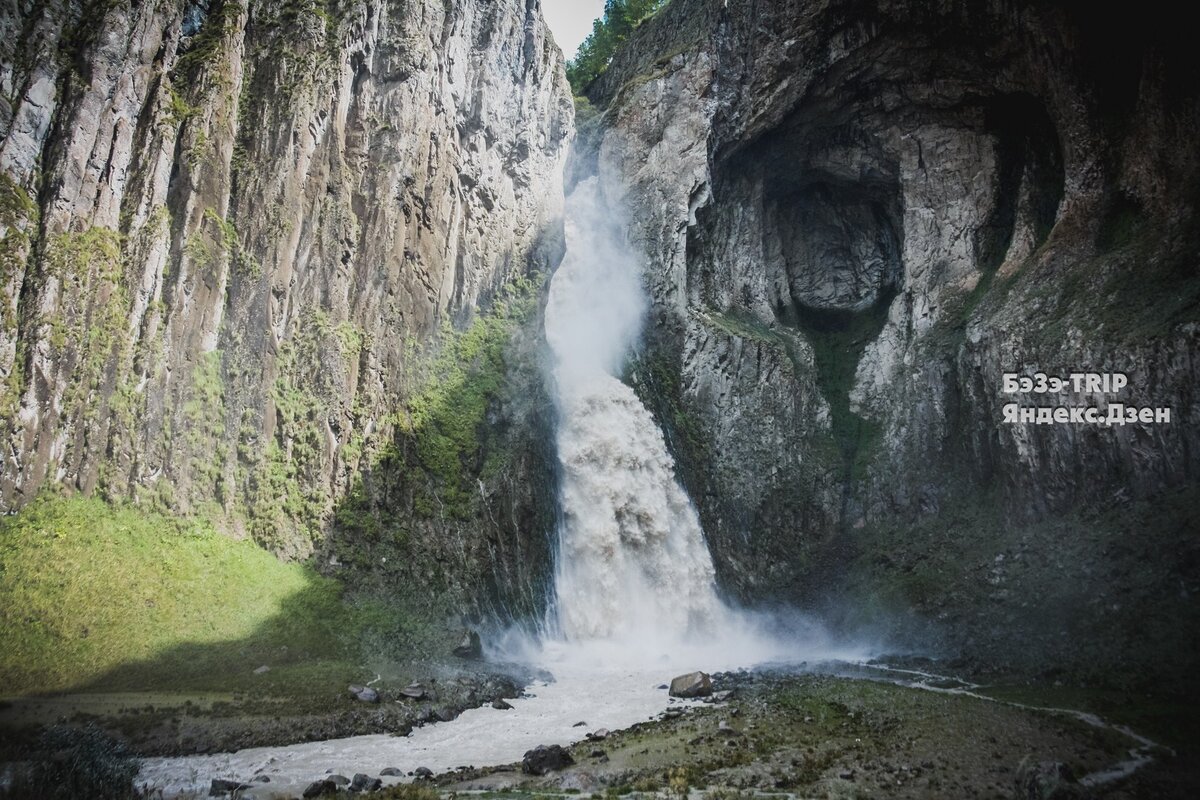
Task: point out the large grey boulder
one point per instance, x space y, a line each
545 758
693 684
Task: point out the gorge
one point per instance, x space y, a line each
334 333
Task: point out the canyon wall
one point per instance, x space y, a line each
249 248
859 217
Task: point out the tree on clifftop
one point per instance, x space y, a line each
619 20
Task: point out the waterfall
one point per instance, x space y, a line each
632 561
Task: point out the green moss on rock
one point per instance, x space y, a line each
441 426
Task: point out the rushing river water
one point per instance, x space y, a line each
610 699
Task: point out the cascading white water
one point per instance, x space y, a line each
632 562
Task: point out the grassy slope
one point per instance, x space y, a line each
118 598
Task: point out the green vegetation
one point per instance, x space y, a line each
204 415
209 44
407 791
217 240
441 427
91 319
656 376
620 19
180 110
18 215
284 501
119 598
838 340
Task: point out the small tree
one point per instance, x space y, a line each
620 19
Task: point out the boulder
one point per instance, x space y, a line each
365 783
545 758
693 684
221 787
500 704
321 788
339 780
368 695
470 646
414 691
423 772
391 772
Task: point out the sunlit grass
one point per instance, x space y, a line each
130 599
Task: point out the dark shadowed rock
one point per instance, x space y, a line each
321 788
391 771
545 758
694 684
221 787
365 783
423 772
500 704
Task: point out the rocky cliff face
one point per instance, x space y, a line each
231 231
858 217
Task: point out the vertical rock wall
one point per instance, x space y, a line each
231 229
